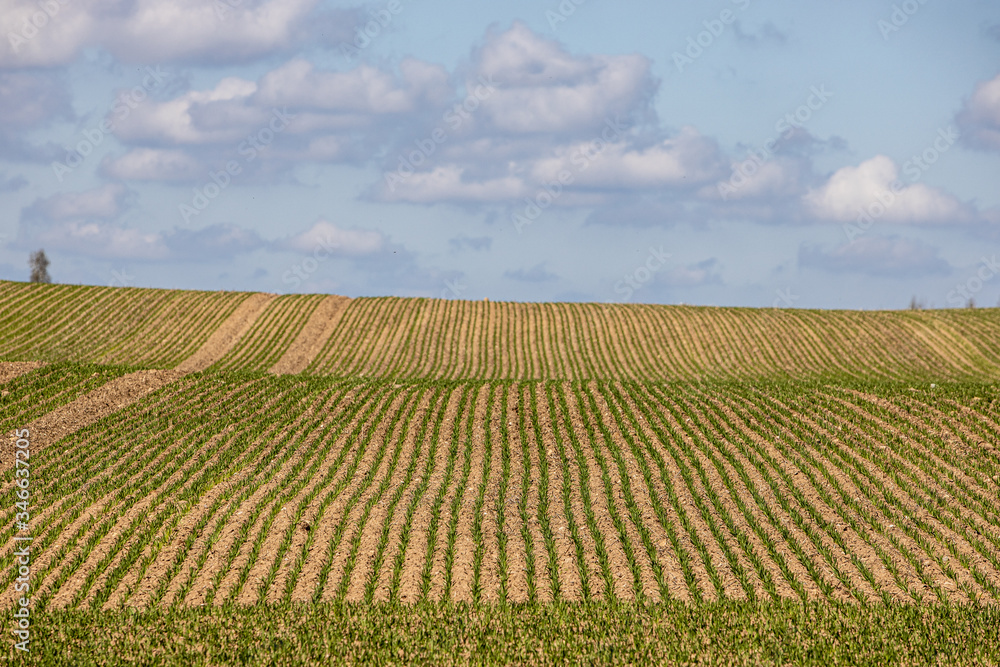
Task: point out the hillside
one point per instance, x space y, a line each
238 452
454 340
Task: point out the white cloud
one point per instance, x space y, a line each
220 114
779 177
154 164
543 89
317 103
326 236
979 119
854 189
146 31
447 183
685 160
364 89
103 240
104 203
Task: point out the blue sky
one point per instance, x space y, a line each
735 153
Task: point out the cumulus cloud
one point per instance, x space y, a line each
543 89
104 203
89 224
291 114
327 237
876 256
542 116
113 240
779 177
875 183
220 114
979 118
153 164
363 90
448 183
98 239
142 31
687 159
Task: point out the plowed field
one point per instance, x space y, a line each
216 490
296 453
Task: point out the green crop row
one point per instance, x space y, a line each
235 488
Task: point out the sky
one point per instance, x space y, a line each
764 153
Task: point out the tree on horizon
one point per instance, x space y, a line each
39 264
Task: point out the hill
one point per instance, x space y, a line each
264 457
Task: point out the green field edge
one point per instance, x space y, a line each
730 632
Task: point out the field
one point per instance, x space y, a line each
542 482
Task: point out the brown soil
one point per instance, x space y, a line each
845 435
517 570
672 568
95 405
623 586
351 520
911 498
490 569
313 336
438 574
851 539
228 334
384 512
465 549
572 588
410 581
15 369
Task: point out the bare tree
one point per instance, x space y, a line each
39 264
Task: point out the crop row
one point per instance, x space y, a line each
133 326
458 340
451 340
271 334
226 488
42 390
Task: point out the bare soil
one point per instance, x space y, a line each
313 336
